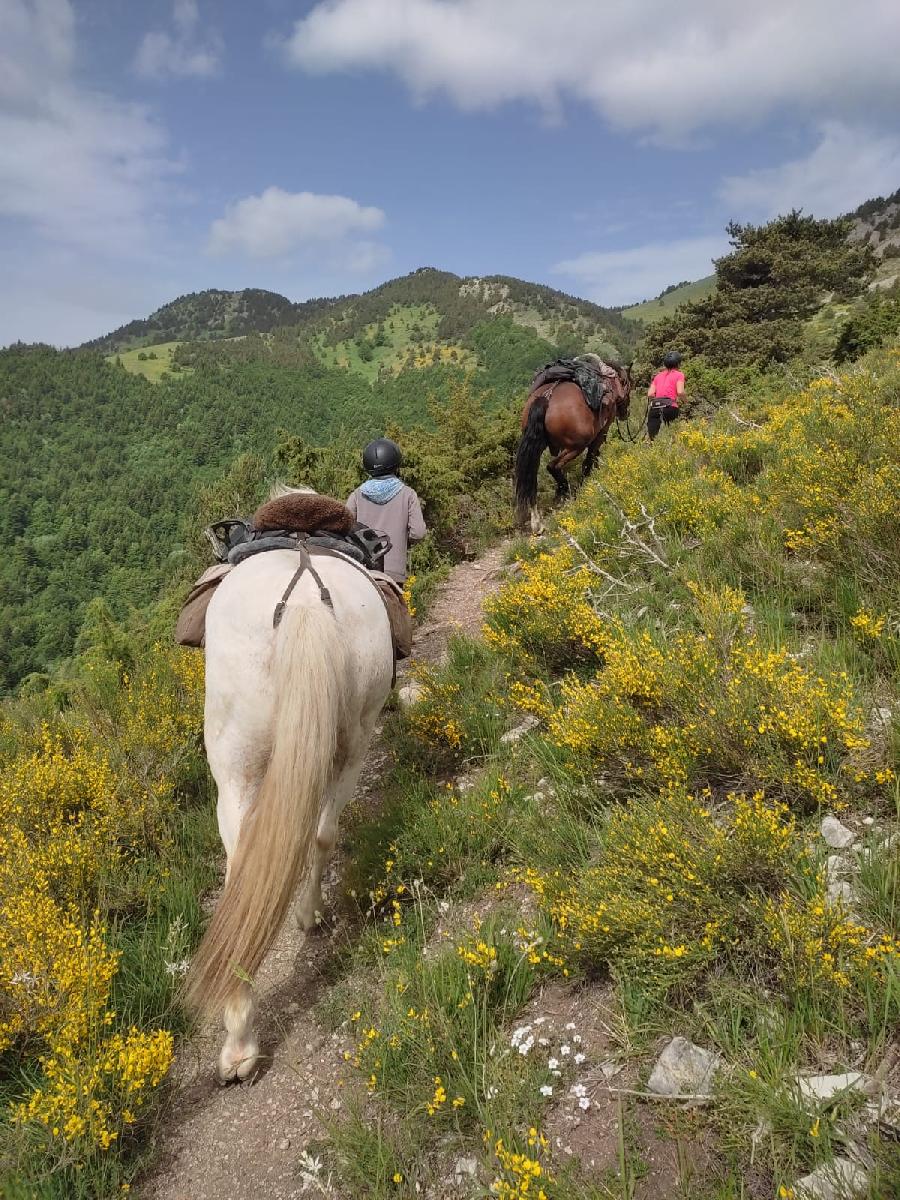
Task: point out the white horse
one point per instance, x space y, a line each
290 713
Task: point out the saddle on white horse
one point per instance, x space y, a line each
311 525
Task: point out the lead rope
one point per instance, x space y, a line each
633 437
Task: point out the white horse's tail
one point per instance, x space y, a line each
313 687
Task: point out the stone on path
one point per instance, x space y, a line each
838 1180
683 1069
836 835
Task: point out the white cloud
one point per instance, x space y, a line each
280 223
644 66
614 277
79 167
848 165
184 51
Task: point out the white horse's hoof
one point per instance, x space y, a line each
311 915
238 1064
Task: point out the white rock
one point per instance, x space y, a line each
609 1069
514 735
409 694
826 1087
837 867
284 1144
464 1167
839 891
838 1180
683 1069
836 835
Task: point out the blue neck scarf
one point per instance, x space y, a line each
379 491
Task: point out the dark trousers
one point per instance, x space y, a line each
659 415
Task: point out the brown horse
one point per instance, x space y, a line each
557 416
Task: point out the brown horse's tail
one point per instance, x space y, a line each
313 689
531 446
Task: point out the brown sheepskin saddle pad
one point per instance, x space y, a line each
304 512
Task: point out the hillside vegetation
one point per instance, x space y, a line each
460 305
668 300
100 465
875 224
699 664
611 805
697 667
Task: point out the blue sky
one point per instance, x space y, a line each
147 150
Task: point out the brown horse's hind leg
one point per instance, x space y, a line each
555 467
590 458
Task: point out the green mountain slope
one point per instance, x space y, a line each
99 464
429 309
210 314
666 302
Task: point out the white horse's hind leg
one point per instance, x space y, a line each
240 1053
339 796
537 525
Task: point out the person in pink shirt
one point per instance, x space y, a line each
665 392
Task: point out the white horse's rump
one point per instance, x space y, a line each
289 717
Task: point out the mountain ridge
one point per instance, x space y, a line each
460 302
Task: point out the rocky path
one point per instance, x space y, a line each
246 1143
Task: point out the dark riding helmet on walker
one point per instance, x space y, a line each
382 457
671 360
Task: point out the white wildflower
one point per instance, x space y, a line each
565 1051
553 1064
546 1090
579 1059
579 1090
584 1102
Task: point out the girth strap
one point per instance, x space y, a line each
305 565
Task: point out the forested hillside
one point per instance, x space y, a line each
457 304
98 465
209 314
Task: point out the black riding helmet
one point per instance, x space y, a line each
381 457
671 360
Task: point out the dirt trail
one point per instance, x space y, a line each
244 1143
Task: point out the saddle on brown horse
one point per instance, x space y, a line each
588 372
